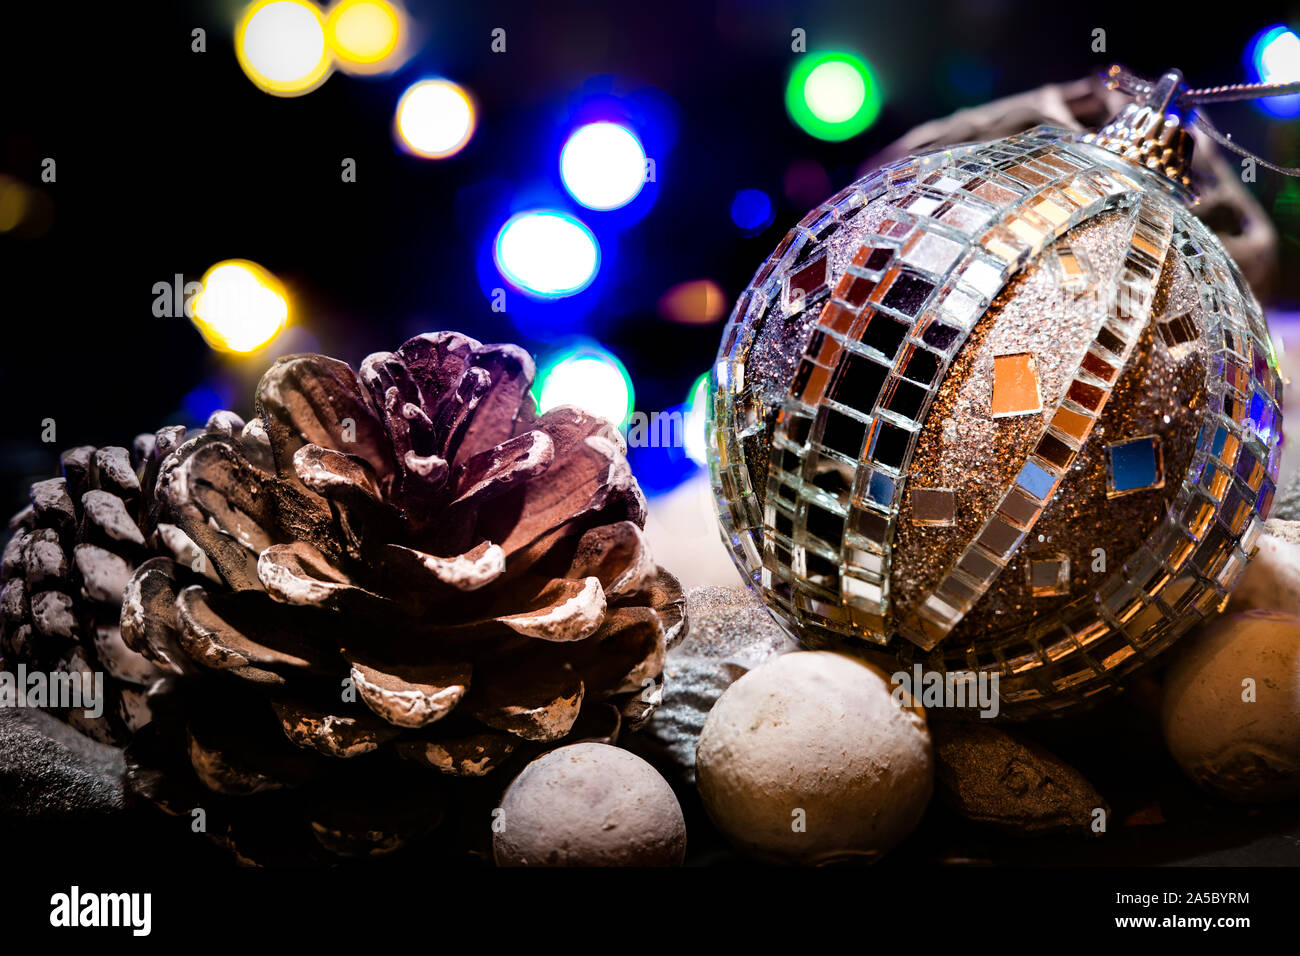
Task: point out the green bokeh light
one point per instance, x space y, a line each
833 96
589 377
696 405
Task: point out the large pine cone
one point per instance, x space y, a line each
70 554
419 575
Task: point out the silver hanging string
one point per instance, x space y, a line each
1225 140
1236 91
1125 81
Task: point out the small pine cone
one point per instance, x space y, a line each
420 578
68 560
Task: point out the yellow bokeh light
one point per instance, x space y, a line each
365 35
697 302
241 307
281 46
14 202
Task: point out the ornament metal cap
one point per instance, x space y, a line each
1151 131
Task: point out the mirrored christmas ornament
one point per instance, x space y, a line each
1006 409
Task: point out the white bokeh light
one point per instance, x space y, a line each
603 166
547 253
835 92
435 118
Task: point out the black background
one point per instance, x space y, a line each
170 160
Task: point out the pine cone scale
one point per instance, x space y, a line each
150 623
539 705
407 569
498 411
502 468
333 734
213 631
312 399
567 610
104 575
409 695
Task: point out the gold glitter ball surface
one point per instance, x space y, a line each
1005 409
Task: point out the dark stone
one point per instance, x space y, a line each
48 771
1286 506
991 777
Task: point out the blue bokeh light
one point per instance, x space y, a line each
198 404
661 466
751 211
547 253
1274 57
609 102
603 165
549 319
521 182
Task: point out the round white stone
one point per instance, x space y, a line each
809 759
589 804
1231 710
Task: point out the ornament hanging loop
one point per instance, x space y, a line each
1185 105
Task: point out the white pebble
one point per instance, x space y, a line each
808 759
1231 711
